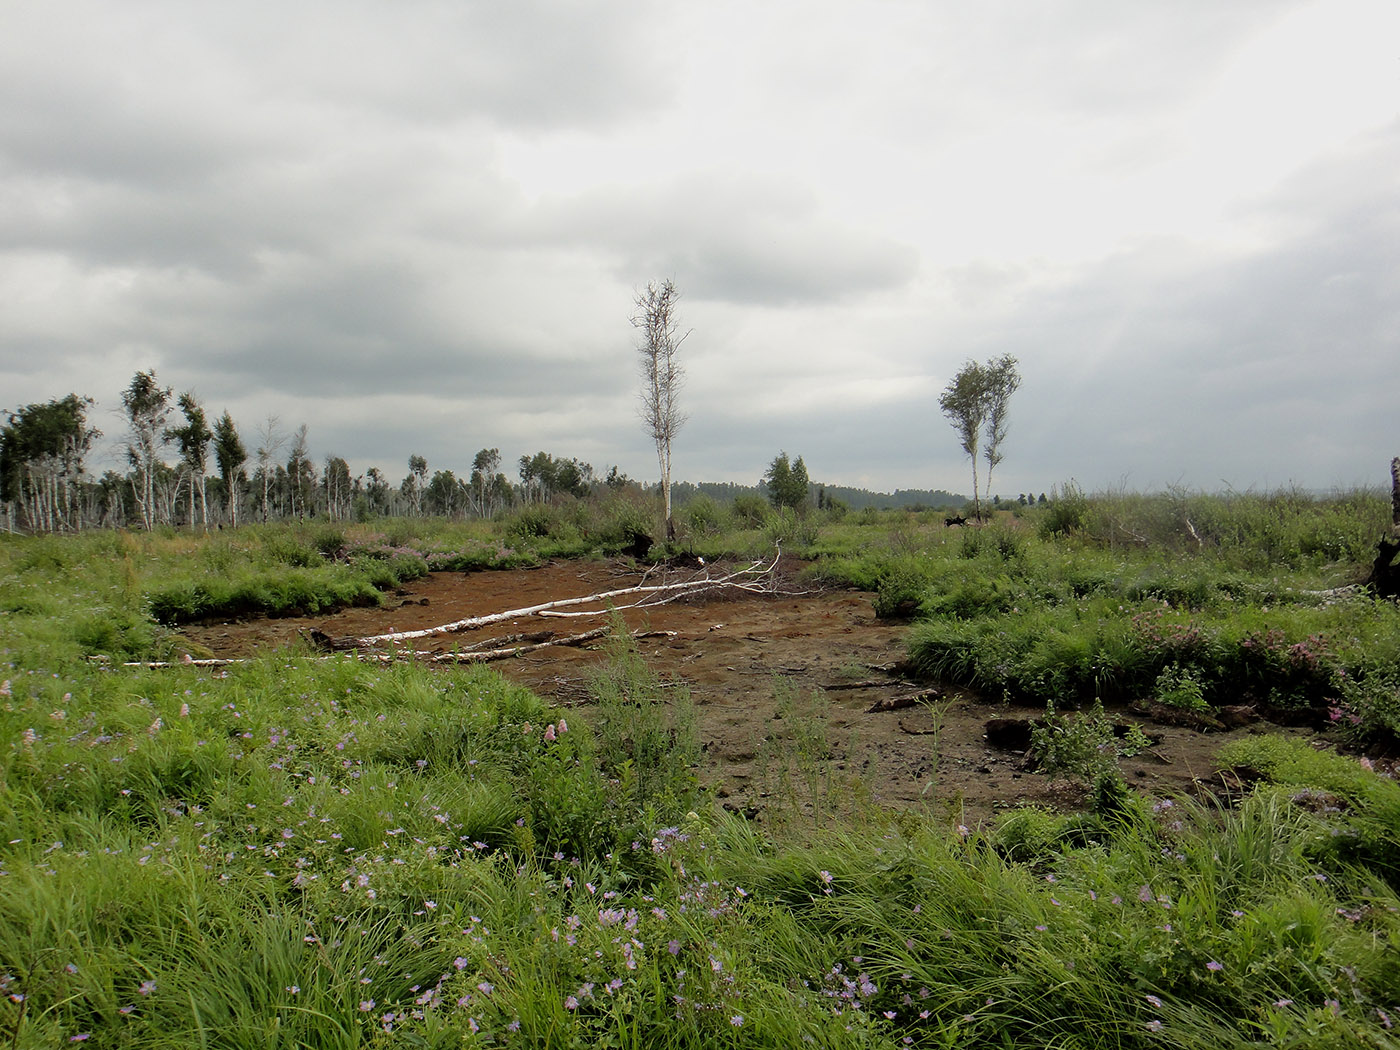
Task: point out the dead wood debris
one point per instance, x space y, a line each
454 656
757 578
869 683
898 703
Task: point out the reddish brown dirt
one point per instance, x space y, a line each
836 658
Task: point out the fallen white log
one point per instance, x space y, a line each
458 656
744 578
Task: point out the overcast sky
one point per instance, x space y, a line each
419 227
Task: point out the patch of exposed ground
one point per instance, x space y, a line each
773 680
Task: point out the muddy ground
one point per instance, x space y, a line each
835 659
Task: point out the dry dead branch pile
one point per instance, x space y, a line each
757 578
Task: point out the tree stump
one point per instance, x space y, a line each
1385 573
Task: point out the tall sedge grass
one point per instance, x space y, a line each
308 853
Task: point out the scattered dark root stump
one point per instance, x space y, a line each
1012 734
1237 716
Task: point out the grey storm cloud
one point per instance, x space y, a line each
730 238
419 227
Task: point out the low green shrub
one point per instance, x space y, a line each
1370 708
123 633
974 596
626 524
900 591
749 510
287 548
1066 514
1180 688
702 515
1085 747
533 522
1357 810
1028 835
784 527
329 541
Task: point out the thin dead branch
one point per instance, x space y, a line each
869 683
458 656
485 655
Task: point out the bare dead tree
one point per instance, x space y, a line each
662 377
271 439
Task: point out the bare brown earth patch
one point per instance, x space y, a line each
755 666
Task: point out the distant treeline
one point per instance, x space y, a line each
185 468
822 495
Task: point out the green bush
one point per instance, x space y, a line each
287 549
1371 706
900 591
330 542
533 522
1084 747
749 510
1359 810
116 632
1066 514
624 524
991 541
1179 687
973 597
702 515
785 527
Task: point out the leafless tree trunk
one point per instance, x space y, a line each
662 377
271 439
1395 494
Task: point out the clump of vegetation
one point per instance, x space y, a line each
1066 514
1179 687
1370 705
900 591
1086 747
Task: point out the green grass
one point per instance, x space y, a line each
299 852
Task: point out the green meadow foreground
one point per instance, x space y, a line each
308 851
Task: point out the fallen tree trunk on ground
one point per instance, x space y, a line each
456 656
756 578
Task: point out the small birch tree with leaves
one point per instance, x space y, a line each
147 406
193 439
1002 380
662 377
230 455
975 402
